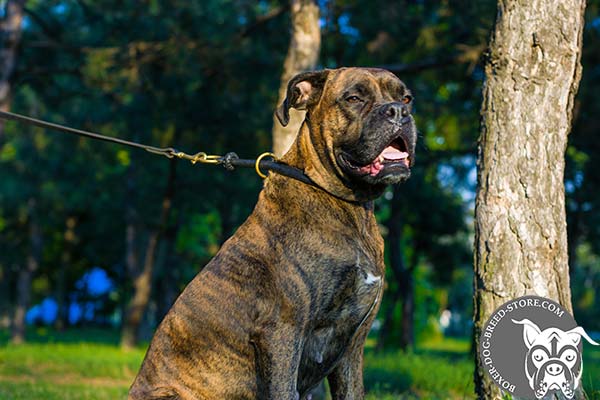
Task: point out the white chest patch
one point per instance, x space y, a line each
371 279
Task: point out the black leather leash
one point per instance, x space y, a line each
229 161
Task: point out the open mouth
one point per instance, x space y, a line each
554 386
395 155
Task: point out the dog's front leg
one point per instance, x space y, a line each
346 380
278 354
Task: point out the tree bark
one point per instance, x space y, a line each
388 319
25 275
128 331
168 285
66 261
142 283
302 55
10 36
532 75
403 276
5 298
407 295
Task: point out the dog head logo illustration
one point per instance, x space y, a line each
553 359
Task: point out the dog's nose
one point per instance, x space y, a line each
395 112
554 369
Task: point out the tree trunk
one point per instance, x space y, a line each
407 295
403 276
388 319
66 263
10 36
128 331
25 275
532 75
302 55
5 299
168 285
142 284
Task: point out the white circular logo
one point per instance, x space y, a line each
531 347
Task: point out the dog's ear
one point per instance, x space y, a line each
577 333
530 331
303 91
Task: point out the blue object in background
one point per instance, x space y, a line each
93 284
45 312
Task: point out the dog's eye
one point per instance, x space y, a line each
407 99
353 99
538 355
569 355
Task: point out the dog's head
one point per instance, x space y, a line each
358 127
553 360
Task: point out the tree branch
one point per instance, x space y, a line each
51 31
468 55
262 19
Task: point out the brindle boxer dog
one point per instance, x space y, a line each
290 298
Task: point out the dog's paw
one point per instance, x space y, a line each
541 390
567 390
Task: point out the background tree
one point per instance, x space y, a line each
302 55
10 34
532 75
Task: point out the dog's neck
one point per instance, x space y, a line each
315 203
318 163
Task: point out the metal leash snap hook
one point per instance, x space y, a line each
257 163
201 156
211 159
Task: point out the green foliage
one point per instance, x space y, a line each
165 73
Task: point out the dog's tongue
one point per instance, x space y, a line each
392 153
389 153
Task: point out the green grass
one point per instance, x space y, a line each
88 364
437 370
82 364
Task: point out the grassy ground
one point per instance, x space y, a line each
87 364
439 370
